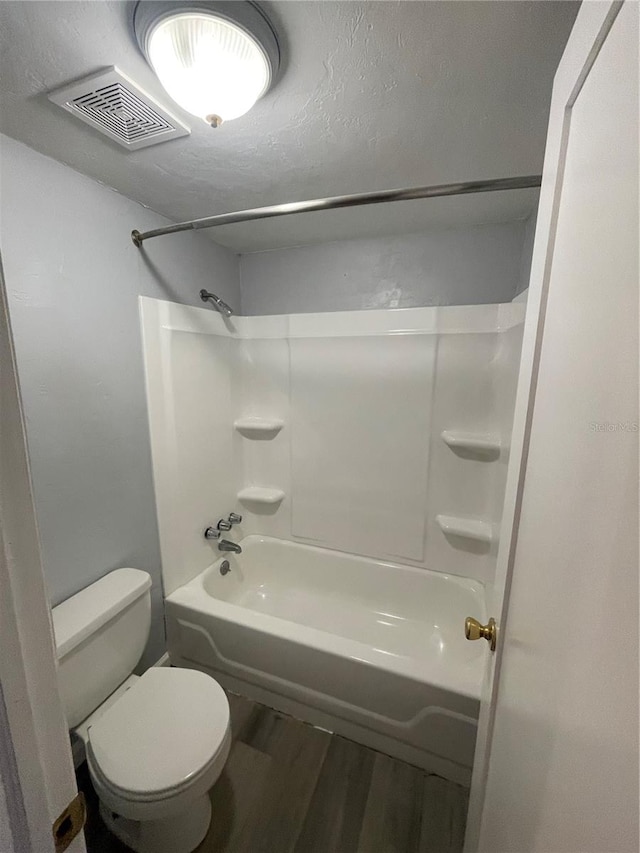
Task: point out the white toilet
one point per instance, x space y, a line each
155 744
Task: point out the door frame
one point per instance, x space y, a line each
591 27
36 767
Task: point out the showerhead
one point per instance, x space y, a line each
222 307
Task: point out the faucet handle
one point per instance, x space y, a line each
223 524
234 518
211 533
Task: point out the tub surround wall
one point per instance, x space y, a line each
506 367
73 277
443 266
297 422
190 359
527 254
359 416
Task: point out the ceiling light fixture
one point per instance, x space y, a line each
215 59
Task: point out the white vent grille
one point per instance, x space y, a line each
113 104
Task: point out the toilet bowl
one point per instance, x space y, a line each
156 744
154 755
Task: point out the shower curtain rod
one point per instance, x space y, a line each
337 201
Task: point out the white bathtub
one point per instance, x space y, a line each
372 650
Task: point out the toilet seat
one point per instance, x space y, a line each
166 733
114 792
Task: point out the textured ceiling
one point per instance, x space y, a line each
374 95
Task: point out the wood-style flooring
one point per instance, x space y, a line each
290 788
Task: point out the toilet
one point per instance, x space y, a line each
155 744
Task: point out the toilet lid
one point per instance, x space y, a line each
162 732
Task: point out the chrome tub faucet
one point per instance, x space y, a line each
225 545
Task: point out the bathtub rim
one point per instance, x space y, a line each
195 596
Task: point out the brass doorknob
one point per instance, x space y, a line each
473 630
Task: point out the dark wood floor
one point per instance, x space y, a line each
290 788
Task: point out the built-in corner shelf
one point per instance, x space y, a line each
260 495
483 445
467 528
258 427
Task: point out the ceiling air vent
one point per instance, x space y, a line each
114 105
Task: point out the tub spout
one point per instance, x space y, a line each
225 545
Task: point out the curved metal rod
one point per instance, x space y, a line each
336 201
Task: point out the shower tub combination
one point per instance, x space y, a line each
371 650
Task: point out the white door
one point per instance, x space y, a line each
557 756
37 779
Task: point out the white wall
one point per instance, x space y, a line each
363 396
73 278
454 266
190 362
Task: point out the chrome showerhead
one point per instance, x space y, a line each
222 307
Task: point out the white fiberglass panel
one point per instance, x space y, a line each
360 464
361 411
204 476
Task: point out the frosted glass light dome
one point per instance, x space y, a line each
212 68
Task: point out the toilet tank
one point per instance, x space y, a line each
100 635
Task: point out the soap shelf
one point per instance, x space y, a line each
478 444
260 495
253 427
467 528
